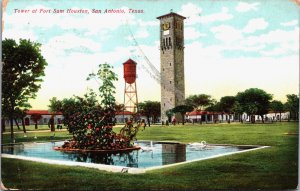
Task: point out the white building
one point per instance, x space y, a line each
45 117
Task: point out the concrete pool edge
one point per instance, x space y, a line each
256 147
108 168
121 169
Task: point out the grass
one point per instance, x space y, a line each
272 168
37 136
28 128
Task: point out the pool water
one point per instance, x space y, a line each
151 155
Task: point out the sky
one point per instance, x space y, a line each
230 45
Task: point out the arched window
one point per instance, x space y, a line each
170 41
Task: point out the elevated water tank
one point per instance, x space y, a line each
129 71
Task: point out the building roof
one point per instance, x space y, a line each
203 113
124 113
130 61
46 112
171 14
42 112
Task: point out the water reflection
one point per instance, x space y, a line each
121 159
12 149
173 153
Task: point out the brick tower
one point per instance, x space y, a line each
171 62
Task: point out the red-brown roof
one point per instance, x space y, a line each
203 113
124 113
42 112
130 61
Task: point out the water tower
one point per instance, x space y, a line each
130 93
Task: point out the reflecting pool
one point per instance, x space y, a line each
151 154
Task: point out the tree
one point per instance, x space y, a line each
292 105
182 109
91 124
169 113
237 109
254 101
215 107
150 109
36 117
76 104
107 88
119 107
227 104
199 102
22 72
277 107
21 114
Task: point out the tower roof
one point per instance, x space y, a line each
130 61
171 14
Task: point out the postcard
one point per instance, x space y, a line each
241 58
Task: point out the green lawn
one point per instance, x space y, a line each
29 128
271 168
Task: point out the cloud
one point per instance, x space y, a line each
69 43
224 15
255 24
16 34
274 52
245 7
275 36
226 33
89 22
236 74
278 43
290 23
142 33
32 19
191 33
192 12
195 14
144 23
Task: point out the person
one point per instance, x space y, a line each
51 123
174 121
59 125
143 123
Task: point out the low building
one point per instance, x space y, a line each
207 116
45 117
123 116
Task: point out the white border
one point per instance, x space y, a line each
111 168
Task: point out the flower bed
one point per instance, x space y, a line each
97 150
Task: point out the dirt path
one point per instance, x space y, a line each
35 131
45 130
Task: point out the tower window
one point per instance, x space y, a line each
164 43
170 82
170 99
170 64
170 41
164 104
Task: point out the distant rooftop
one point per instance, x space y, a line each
42 112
